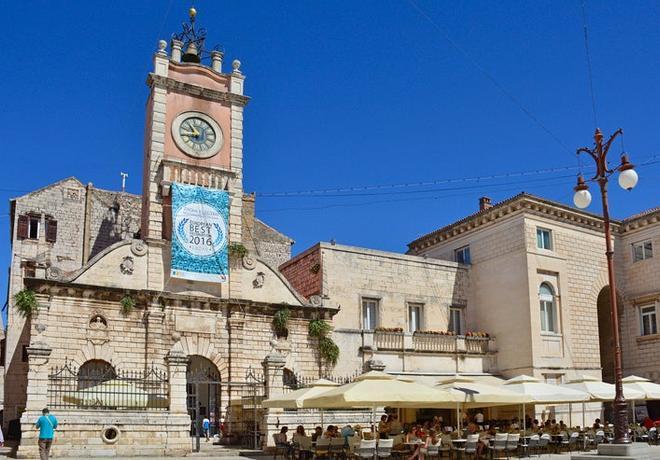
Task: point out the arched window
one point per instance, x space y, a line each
548 309
95 372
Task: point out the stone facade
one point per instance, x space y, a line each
97 264
639 284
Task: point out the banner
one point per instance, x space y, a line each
199 233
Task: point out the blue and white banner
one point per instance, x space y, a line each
200 220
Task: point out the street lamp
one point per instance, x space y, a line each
582 198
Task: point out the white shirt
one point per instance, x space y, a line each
479 418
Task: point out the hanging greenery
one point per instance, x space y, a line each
127 304
26 302
319 328
281 320
328 350
237 250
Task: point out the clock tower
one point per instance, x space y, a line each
193 135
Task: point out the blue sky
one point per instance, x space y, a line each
344 94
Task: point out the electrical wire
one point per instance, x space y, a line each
489 76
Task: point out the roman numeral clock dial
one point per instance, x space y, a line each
197 134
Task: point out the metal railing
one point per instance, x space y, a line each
70 387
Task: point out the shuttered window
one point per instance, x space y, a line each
51 230
22 230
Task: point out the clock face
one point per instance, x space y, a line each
197 134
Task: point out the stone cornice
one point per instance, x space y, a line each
170 84
57 288
641 221
522 203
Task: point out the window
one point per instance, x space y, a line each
289 379
643 250
414 317
369 313
456 320
548 309
543 238
648 321
462 255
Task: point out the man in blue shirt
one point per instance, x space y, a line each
46 425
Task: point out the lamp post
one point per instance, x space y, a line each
582 198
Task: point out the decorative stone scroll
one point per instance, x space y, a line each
139 248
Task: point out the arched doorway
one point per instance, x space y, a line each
203 394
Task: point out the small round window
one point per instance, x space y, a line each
110 434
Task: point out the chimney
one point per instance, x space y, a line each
485 203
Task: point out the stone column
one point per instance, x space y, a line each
37 397
177 364
273 370
178 425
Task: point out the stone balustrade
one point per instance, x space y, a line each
431 343
216 178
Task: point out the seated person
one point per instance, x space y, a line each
318 432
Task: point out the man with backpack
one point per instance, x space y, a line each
46 425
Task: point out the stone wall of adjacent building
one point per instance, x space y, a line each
348 274
506 271
641 288
304 272
64 203
265 242
112 217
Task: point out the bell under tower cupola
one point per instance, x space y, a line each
194 128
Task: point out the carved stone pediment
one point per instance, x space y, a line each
97 330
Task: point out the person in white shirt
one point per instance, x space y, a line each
479 418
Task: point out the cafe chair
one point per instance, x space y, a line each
499 445
384 448
512 443
367 449
322 448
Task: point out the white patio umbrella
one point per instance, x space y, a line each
598 391
477 394
635 383
651 390
543 393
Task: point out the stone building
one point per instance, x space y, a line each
125 353
129 355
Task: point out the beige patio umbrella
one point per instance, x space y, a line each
598 391
376 389
543 393
477 394
296 399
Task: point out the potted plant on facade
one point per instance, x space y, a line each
328 349
281 321
26 302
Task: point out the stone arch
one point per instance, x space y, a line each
91 351
204 347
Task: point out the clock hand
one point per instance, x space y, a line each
188 133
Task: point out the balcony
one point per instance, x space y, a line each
428 343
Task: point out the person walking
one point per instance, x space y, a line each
46 425
206 428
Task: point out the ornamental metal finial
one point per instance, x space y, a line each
192 38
